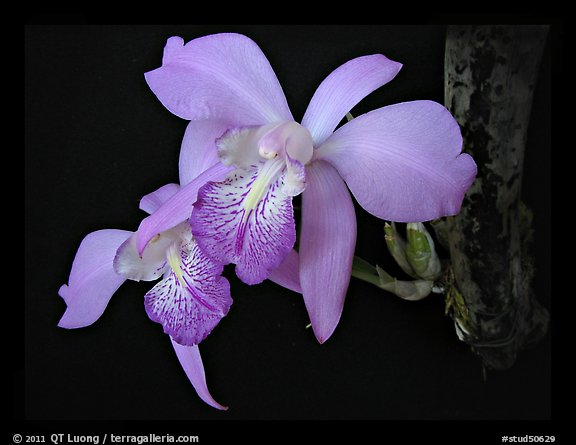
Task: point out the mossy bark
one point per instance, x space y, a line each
490 73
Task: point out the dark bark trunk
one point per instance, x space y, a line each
490 73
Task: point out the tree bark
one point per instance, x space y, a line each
490 73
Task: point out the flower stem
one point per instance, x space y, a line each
412 290
364 271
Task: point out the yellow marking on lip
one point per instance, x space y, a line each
259 187
173 256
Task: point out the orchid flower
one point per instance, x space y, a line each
191 297
401 163
189 301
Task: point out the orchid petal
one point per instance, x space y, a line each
288 273
192 299
251 225
327 243
198 150
191 361
220 76
178 208
153 201
92 280
343 89
403 162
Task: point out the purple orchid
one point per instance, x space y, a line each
401 162
191 297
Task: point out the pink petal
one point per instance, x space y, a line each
220 76
191 301
288 273
92 280
178 208
256 238
198 151
153 201
403 162
343 89
191 361
327 243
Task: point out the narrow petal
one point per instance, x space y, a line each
403 162
92 280
198 151
327 243
153 201
178 208
244 222
191 361
193 297
288 273
343 89
220 76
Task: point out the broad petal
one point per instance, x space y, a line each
92 280
256 237
191 361
327 242
288 273
153 201
403 162
178 208
193 297
343 89
198 151
220 76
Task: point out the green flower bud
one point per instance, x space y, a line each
397 248
420 252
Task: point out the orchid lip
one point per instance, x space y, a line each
248 219
266 176
278 145
192 297
173 256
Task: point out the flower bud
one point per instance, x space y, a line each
420 252
397 248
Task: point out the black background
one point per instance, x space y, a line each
97 140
